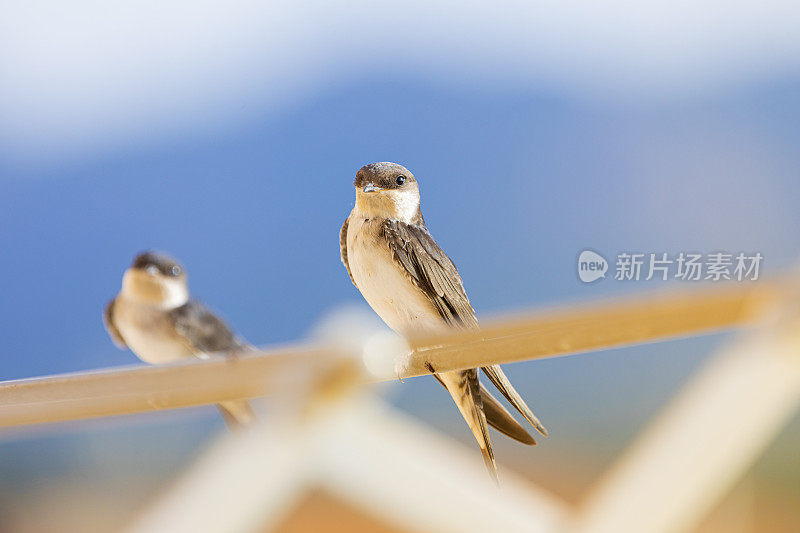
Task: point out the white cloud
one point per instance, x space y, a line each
84 75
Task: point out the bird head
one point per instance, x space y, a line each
156 279
387 190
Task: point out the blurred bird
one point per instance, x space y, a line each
414 286
154 317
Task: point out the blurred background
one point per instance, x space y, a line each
228 134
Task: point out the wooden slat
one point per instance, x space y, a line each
137 389
609 324
594 327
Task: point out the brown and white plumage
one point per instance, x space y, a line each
408 279
154 317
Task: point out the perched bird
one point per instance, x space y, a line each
154 317
413 285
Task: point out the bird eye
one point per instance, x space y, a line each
175 271
400 179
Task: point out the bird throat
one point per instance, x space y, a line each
398 205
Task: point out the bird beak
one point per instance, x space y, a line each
371 187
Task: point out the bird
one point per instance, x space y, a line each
154 316
412 284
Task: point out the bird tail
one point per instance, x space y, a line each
463 386
500 380
500 419
236 413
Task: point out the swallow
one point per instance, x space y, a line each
411 283
154 316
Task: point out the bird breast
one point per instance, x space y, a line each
385 285
149 333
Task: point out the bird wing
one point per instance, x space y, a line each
415 249
111 327
205 333
202 330
343 248
432 271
